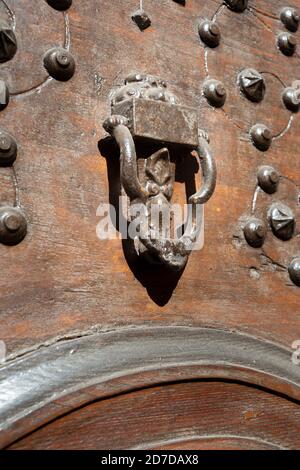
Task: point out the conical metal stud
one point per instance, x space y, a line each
252 84
282 221
8 43
141 19
237 5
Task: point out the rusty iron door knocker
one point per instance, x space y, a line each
143 109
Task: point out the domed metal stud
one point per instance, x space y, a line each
60 5
287 43
290 18
8 42
282 221
210 33
60 64
215 92
291 99
13 225
255 231
4 95
261 136
294 271
237 5
252 84
8 149
268 179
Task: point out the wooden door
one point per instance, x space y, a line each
101 347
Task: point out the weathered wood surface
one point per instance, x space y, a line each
62 282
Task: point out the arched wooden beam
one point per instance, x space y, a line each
45 384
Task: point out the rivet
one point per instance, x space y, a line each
261 136
13 225
215 92
291 99
8 42
5 144
60 5
237 5
290 18
252 84
4 95
220 90
273 176
8 149
141 19
63 59
12 222
210 33
60 64
287 43
255 231
282 221
294 271
268 179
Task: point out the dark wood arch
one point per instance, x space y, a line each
71 376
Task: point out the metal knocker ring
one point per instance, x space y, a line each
144 109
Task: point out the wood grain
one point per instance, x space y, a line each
62 274
180 412
62 282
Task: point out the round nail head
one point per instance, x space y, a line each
60 64
8 149
261 136
210 33
255 231
268 179
13 225
294 271
215 92
290 18
291 99
287 43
